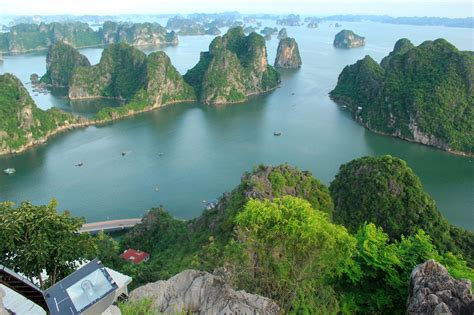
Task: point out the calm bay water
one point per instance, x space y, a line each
206 149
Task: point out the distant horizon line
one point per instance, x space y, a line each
236 12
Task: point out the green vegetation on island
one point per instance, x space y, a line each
22 123
422 94
137 34
61 61
235 67
348 39
126 73
272 235
386 192
31 37
120 73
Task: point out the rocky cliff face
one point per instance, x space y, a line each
30 37
434 291
199 292
348 39
22 124
288 54
61 61
123 71
165 84
137 34
422 94
282 34
120 73
235 67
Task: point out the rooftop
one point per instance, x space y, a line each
135 256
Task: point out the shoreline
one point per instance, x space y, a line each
43 49
85 124
341 103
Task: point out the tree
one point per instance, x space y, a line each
286 250
377 280
107 250
36 239
385 191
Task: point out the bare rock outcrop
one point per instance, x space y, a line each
199 292
348 39
434 291
288 54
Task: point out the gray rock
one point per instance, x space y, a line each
434 291
199 292
288 54
348 39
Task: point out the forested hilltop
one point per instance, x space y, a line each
235 67
22 123
23 38
281 234
423 94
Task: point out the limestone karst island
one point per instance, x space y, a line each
229 158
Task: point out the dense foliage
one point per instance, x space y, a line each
29 37
273 235
61 61
34 239
21 122
423 94
287 250
234 67
377 279
137 34
385 191
348 39
126 73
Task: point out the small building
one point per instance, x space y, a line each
90 290
135 256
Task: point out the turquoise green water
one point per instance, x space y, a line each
206 149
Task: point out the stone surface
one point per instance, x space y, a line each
348 39
112 310
202 293
434 291
282 34
138 34
3 311
288 54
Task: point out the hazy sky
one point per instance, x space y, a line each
448 8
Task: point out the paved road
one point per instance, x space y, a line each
109 226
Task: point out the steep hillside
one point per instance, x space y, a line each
235 67
423 94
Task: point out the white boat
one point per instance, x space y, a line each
9 171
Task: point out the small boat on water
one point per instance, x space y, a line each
124 153
161 154
9 171
157 189
277 134
80 164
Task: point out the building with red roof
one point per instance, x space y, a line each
135 256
